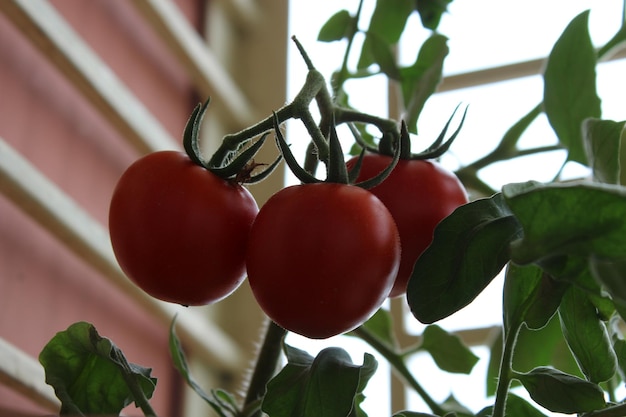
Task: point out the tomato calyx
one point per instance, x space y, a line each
386 145
336 170
230 165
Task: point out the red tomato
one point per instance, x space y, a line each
322 258
419 194
178 231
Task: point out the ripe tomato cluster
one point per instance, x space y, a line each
320 257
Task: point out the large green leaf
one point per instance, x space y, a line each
611 274
560 392
577 220
469 248
570 94
530 296
587 336
386 25
447 350
602 142
533 348
90 375
420 80
327 385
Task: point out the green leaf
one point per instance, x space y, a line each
381 326
560 392
515 407
619 346
602 142
89 374
337 27
611 275
530 296
469 248
382 54
327 385
430 11
387 24
413 414
420 80
587 336
570 94
533 348
448 351
453 407
568 219
222 402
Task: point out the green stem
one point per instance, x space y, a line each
343 73
139 396
505 373
265 367
397 362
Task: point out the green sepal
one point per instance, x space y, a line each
191 133
300 173
233 169
382 175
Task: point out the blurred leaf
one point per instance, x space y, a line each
611 274
413 414
453 407
530 296
90 374
508 144
420 80
387 24
430 11
327 385
382 55
337 27
587 336
619 346
560 392
515 407
380 325
470 247
448 351
556 221
604 140
570 94
222 402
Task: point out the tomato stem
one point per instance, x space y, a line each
397 362
266 365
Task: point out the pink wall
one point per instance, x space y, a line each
43 286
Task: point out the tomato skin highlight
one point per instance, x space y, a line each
419 194
322 258
178 231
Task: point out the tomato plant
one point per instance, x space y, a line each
322 257
419 194
179 231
